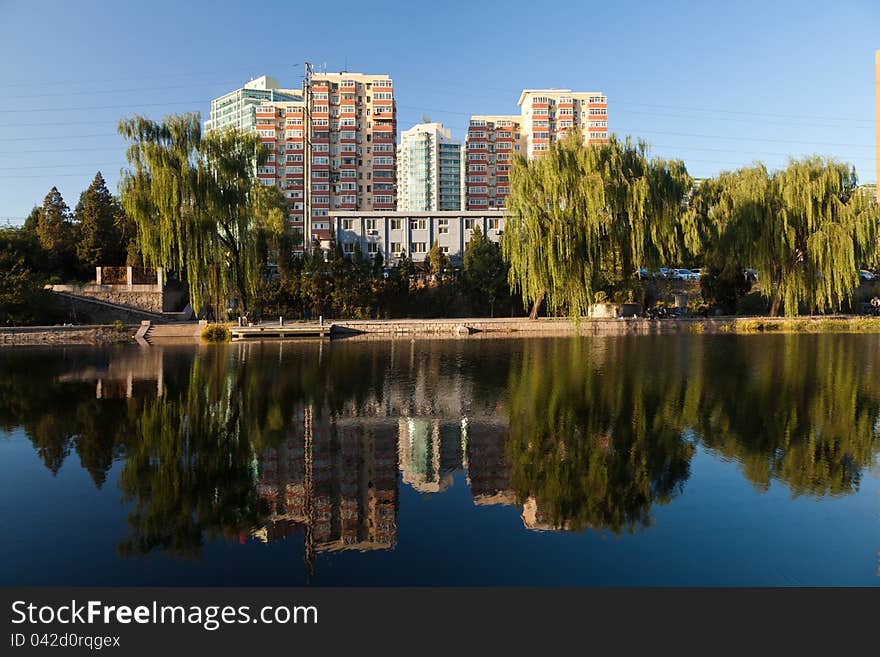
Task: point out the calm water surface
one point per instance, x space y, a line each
665 460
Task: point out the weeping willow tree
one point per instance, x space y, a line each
583 218
198 205
804 228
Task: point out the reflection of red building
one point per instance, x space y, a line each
488 471
335 480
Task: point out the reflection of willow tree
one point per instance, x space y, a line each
799 409
189 467
188 456
59 417
590 440
596 438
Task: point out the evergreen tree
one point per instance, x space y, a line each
101 223
485 274
437 260
57 234
33 219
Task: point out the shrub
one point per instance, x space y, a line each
216 333
751 304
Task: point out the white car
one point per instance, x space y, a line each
865 275
684 275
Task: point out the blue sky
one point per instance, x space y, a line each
718 86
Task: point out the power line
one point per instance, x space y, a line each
105 81
56 137
57 166
93 92
103 107
678 147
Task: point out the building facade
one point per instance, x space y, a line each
490 146
545 116
413 233
332 146
237 109
428 169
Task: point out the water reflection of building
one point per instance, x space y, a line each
335 482
127 374
488 471
430 452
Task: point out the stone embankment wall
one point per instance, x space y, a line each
87 310
525 327
64 335
143 297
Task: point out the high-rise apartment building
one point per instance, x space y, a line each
332 146
428 169
545 116
237 109
491 143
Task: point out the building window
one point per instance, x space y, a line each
419 224
348 247
396 248
395 224
419 247
347 224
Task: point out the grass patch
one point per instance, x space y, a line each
216 333
804 325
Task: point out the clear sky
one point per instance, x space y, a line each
718 84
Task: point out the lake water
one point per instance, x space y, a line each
662 460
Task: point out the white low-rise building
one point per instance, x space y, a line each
413 233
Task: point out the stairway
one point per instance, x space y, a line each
183 332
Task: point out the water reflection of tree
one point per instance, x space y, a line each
188 469
592 440
60 417
798 409
599 429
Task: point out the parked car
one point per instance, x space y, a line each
698 271
645 274
665 272
865 275
751 275
684 275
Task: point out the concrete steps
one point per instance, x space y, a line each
150 333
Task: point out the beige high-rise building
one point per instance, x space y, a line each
332 146
491 143
545 116
549 113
